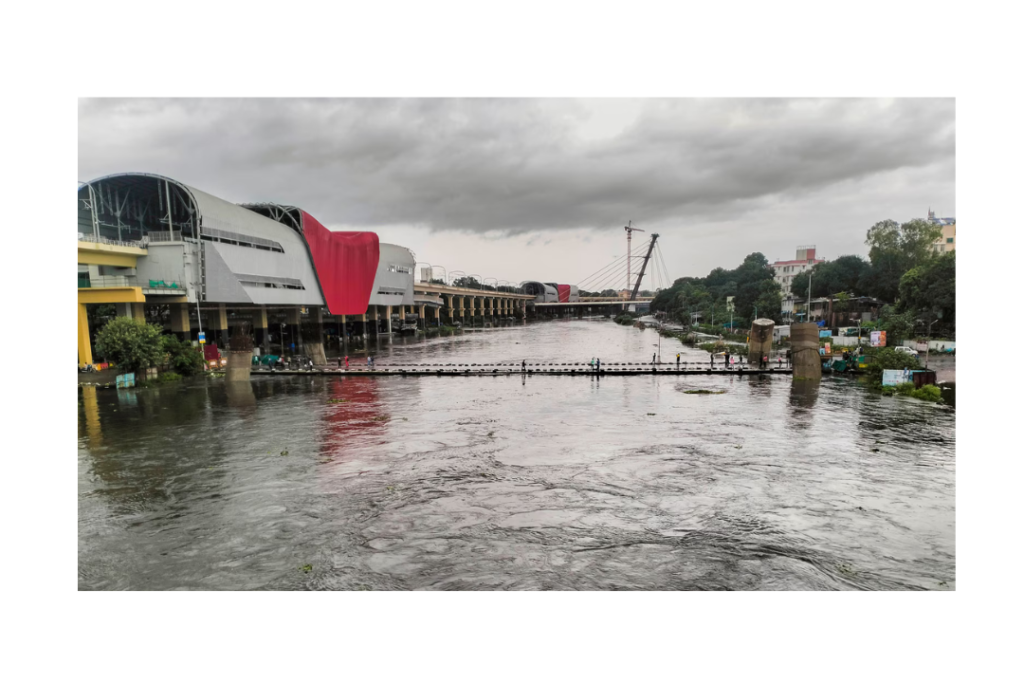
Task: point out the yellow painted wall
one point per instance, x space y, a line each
98 254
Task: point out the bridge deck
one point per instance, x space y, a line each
498 369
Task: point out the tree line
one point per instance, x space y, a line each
903 270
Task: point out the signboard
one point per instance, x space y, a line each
202 337
891 378
824 333
828 349
126 380
878 338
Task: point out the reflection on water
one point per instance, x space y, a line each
516 482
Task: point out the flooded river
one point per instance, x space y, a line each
383 483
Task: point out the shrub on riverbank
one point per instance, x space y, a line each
889 359
625 319
131 344
928 392
183 358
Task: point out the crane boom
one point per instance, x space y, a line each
643 267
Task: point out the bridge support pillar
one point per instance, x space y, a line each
423 315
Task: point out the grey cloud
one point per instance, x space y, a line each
514 165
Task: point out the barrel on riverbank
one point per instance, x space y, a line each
806 359
760 340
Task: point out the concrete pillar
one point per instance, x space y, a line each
423 315
259 328
806 359
139 312
216 324
401 313
362 319
388 311
293 319
179 321
462 307
84 343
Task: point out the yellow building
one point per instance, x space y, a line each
948 240
106 275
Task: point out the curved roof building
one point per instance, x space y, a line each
215 251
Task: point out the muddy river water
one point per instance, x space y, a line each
383 483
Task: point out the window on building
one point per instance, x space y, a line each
949 240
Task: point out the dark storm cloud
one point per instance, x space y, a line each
512 165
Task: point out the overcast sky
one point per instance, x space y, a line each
541 189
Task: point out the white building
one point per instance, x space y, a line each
785 271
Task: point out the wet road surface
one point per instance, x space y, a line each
366 483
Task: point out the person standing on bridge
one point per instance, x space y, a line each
524 365
598 366
712 354
728 356
592 362
677 361
653 357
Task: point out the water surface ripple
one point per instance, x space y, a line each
366 483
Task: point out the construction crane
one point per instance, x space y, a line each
629 253
643 267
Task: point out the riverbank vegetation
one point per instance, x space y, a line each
751 285
130 344
916 282
904 269
625 319
928 392
181 357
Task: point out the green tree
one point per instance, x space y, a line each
895 249
898 326
182 357
132 344
845 274
931 288
752 284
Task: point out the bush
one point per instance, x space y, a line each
889 359
905 389
928 392
624 319
182 357
130 343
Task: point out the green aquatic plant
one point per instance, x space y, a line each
703 391
284 452
306 568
